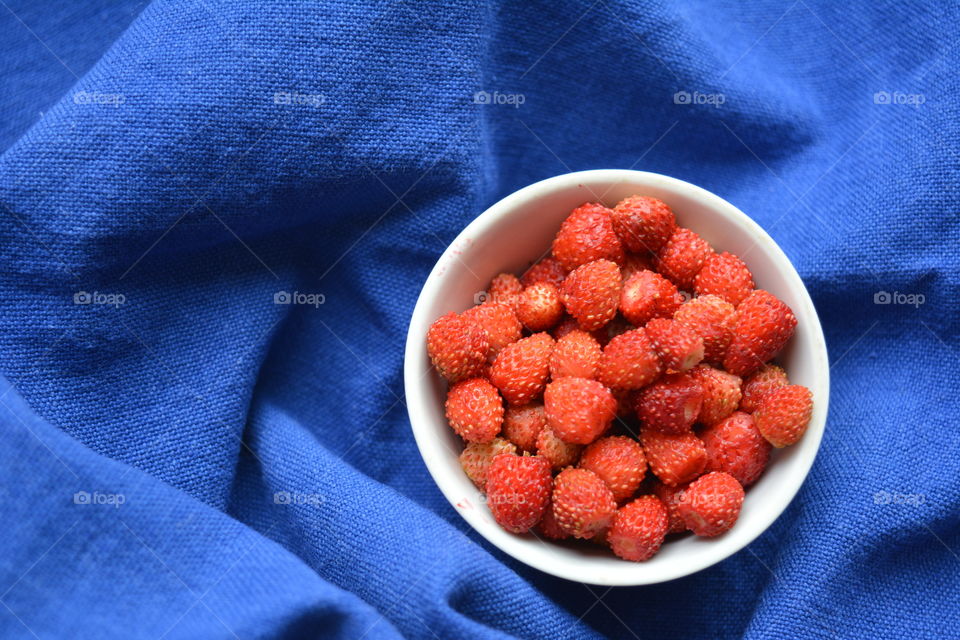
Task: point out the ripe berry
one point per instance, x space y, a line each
618 461
642 223
721 393
635 263
521 369
670 497
582 504
671 405
725 275
576 354
548 270
784 414
539 307
457 346
500 324
638 529
682 257
734 445
680 347
766 379
518 490
579 410
587 235
763 325
591 293
712 318
674 459
629 361
711 504
477 457
522 425
647 295
549 526
474 410
560 454
505 288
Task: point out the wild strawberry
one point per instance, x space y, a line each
500 324
635 263
582 503
638 529
682 257
457 347
539 307
619 461
647 295
567 324
560 454
674 459
576 354
505 288
477 457
721 393
547 270
734 445
549 526
522 425
642 223
670 497
784 414
629 361
763 325
671 405
591 293
712 318
578 410
518 491
587 235
725 275
711 504
680 347
521 369
766 379
474 410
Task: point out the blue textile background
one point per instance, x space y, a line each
195 158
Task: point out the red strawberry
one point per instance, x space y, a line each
674 459
505 288
635 263
619 461
766 379
500 324
559 453
549 526
682 257
734 445
642 223
582 504
670 497
521 369
629 361
638 529
763 325
784 414
579 410
712 318
576 354
591 292
587 235
539 307
477 457
457 347
671 405
474 410
518 491
721 393
724 275
521 425
548 270
680 347
711 504
647 295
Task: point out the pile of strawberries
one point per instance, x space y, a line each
569 382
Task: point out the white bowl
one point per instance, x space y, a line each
518 230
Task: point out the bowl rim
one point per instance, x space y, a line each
416 337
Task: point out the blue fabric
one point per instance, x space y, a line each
182 456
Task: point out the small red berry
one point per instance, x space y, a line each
582 504
549 526
619 461
539 307
474 410
635 263
674 459
591 293
721 393
682 257
784 414
711 504
587 235
500 324
671 405
643 223
670 497
680 347
560 454
522 425
548 270
724 275
763 325
766 379
638 529
734 445
458 347
521 369
647 295
576 354
518 491
579 410
477 457
712 318
629 361
505 288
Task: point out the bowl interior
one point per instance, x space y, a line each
518 230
